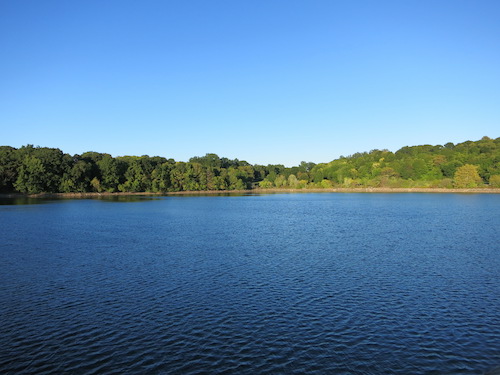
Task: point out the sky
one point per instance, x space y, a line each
266 81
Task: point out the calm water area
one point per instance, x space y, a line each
325 283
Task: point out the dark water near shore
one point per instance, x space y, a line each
264 284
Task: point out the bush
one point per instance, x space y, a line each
495 181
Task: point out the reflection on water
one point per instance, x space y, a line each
14 201
22 200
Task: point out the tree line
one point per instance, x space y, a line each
35 170
464 165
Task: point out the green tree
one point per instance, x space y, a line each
96 185
78 178
161 178
292 181
177 174
30 179
280 181
37 169
138 174
235 179
326 184
220 183
9 166
265 184
55 164
193 177
110 170
495 181
467 176
209 160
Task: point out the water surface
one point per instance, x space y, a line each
284 283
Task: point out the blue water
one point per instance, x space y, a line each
258 284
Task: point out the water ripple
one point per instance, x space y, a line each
247 286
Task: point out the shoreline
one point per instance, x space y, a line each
258 191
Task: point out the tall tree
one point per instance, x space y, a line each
30 178
467 177
9 166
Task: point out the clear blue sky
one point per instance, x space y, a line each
267 81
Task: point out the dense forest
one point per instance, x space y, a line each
35 170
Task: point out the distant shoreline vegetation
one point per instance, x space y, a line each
35 170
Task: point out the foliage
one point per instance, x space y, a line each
9 168
31 176
495 181
33 170
467 177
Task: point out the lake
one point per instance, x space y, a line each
252 284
